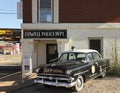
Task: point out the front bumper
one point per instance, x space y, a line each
58 82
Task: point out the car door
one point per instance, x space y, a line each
97 61
93 67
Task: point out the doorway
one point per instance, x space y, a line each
51 52
96 43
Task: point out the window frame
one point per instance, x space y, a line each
87 57
39 15
95 53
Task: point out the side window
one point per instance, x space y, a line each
71 56
64 57
80 56
96 56
89 57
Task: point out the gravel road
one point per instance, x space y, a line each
106 85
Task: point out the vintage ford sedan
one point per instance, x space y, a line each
72 69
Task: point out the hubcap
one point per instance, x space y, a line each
104 73
79 83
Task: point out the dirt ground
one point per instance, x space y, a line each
106 85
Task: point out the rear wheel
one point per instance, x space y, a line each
79 84
103 73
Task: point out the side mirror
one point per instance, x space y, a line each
84 61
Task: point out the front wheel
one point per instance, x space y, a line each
79 84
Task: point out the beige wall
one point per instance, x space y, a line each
40 51
81 39
78 34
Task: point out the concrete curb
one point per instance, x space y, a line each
9 75
8 57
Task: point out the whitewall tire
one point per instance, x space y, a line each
103 73
79 84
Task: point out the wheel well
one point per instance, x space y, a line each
84 78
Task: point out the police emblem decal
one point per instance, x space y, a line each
93 69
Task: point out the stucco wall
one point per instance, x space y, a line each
80 39
42 50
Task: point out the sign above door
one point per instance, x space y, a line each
31 34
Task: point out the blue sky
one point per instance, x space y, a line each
9 20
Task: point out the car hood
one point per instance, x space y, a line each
61 67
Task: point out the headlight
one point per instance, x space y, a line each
37 70
68 72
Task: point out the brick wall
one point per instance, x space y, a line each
89 11
27 11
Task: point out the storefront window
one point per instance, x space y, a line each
45 11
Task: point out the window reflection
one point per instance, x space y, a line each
45 12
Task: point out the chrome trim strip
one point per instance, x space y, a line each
93 75
45 77
46 74
56 83
81 72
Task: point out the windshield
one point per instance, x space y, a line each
72 56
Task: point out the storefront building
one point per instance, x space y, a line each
52 26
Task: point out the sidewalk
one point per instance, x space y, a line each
10 59
6 57
14 82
